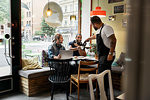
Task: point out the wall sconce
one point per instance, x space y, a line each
112 18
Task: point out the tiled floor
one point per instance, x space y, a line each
84 95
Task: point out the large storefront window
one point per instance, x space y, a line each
37 35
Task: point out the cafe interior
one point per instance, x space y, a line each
28 28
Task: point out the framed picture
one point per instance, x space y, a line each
113 1
119 9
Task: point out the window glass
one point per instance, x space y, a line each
5 61
37 35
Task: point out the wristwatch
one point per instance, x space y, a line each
110 53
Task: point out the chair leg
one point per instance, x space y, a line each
96 91
52 91
70 86
78 91
87 87
67 93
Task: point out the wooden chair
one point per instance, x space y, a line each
100 80
76 79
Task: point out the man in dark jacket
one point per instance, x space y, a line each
53 50
76 45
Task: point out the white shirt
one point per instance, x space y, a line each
105 33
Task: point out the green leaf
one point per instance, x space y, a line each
46 29
4 11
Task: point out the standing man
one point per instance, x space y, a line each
106 42
75 45
53 50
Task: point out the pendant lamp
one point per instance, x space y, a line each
49 11
73 17
98 12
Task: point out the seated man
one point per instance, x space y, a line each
53 50
76 46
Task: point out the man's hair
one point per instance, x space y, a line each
95 19
78 34
57 37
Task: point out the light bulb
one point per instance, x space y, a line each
73 17
49 12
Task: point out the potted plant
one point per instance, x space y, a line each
94 49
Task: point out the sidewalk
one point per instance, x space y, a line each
2 46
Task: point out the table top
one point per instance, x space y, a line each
84 58
78 58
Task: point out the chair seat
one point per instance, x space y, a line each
83 77
58 79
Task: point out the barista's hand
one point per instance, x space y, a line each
87 40
109 57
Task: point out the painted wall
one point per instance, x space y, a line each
120 31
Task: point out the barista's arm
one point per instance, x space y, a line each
112 46
90 38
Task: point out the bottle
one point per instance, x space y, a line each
84 44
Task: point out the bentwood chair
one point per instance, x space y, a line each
100 80
60 74
76 79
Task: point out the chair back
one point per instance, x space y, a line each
61 70
100 80
88 64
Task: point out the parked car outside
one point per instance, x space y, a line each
37 38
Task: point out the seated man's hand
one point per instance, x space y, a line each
79 47
75 49
76 44
57 57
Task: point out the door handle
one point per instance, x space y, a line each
10 54
7 36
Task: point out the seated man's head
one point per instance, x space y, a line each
78 38
58 38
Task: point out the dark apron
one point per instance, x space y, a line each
103 52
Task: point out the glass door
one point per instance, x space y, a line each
6 81
5 47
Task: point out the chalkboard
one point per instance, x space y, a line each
113 1
119 9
